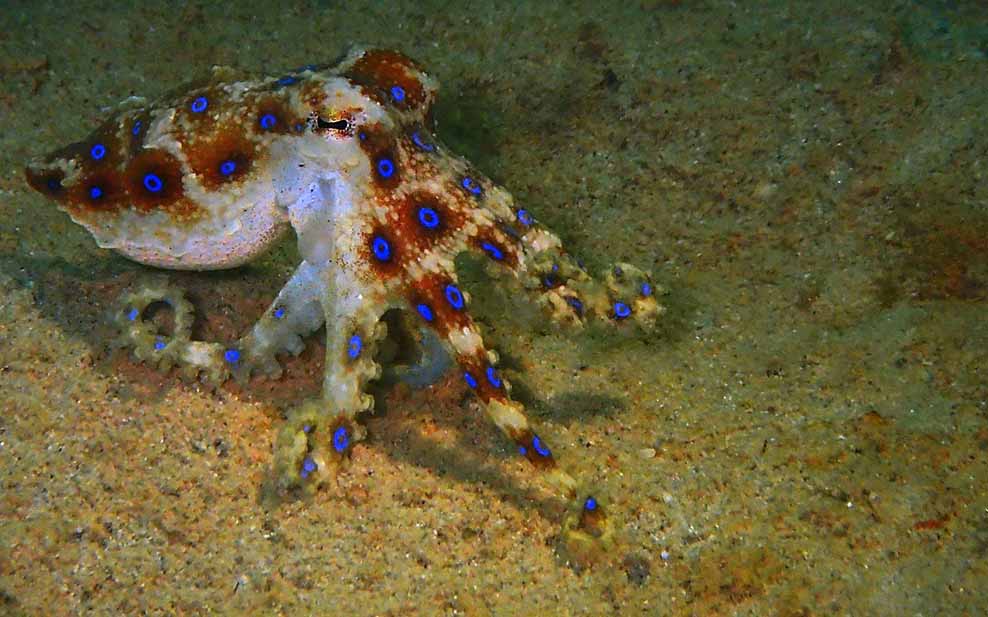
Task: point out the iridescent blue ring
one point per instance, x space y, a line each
159 344
98 151
133 314
354 347
492 377
381 248
199 105
492 250
469 184
428 217
590 504
279 312
95 192
621 310
153 183
646 289
424 146
454 296
137 128
524 218
385 168
268 121
341 439
539 447
470 379
227 167
308 466
397 93
425 311
232 356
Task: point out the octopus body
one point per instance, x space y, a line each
211 176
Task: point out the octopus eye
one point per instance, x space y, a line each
337 125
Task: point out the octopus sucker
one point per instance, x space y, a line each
212 175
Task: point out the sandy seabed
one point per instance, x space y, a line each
806 433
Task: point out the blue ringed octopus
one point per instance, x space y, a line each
211 176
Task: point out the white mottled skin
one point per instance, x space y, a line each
322 184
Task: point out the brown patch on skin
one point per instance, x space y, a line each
284 119
592 521
47 182
199 120
379 70
408 226
170 197
113 193
431 290
477 366
526 439
378 144
392 266
340 421
207 158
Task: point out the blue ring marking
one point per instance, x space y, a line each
646 289
308 466
424 146
153 183
385 168
492 250
354 347
227 167
279 312
492 377
470 379
306 428
137 127
199 105
287 80
522 450
98 151
362 135
454 296
425 311
231 355
539 447
54 184
159 344
471 186
621 310
133 314
524 218
95 192
575 302
341 439
590 504
397 93
428 217
268 121
381 248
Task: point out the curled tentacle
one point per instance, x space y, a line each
165 351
